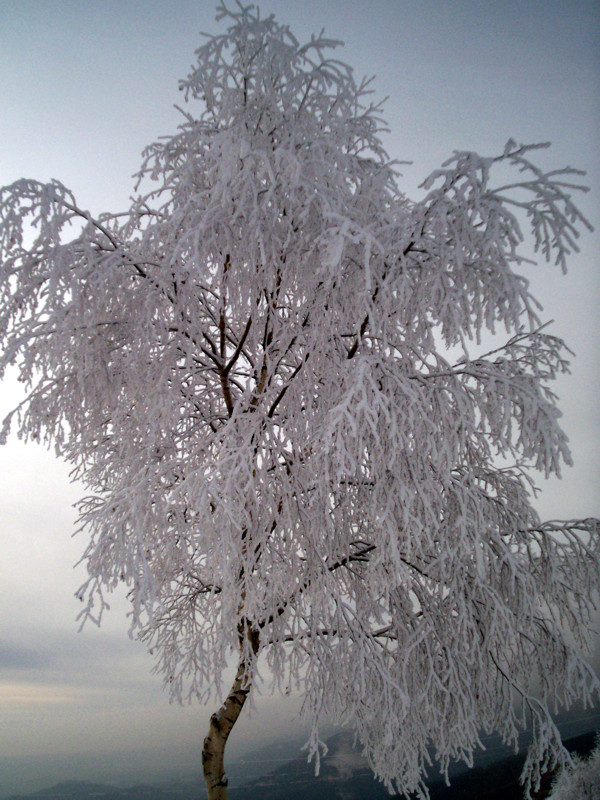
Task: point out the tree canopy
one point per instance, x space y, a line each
309 410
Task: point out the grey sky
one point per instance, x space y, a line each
85 86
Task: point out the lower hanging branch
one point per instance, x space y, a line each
222 722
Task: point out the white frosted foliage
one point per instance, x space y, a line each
269 372
579 780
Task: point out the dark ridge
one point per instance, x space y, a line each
338 780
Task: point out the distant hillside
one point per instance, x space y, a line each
81 790
500 781
344 775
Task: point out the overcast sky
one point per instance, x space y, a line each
84 87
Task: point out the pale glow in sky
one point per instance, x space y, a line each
85 87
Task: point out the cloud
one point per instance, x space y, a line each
24 695
15 657
109 667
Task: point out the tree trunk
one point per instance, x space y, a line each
221 724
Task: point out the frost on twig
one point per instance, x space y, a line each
579 780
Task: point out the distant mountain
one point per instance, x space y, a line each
81 790
263 760
274 773
500 781
345 776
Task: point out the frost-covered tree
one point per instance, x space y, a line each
269 372
581 780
